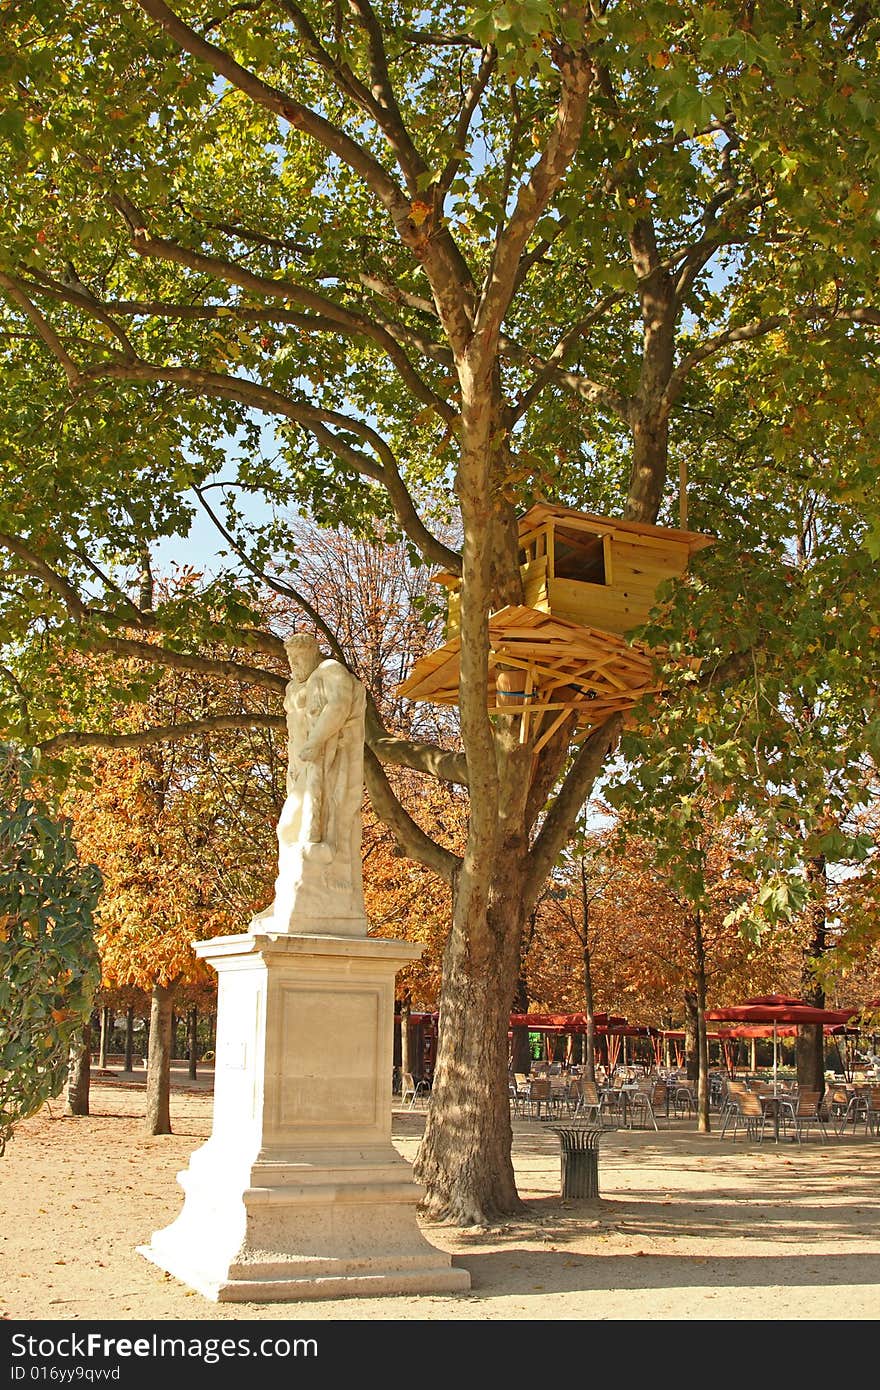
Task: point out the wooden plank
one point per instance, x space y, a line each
554 659
609 561
448 580
524 720
567 705
453 615
555 663
531 536
582 676
594 605
550 731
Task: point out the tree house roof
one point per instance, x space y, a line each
638 531
587 580
567 519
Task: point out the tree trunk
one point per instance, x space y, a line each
589 1001
691 1036
78 1076
703 1121
521 1056
104 1038
129 1038
405 1058
193 1043
159 1062
810 1045
464 1161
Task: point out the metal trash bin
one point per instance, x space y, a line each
579 1151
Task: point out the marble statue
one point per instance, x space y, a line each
319 887
299 1192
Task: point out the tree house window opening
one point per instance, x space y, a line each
584 558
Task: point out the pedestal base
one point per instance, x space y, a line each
300 1232
299 1193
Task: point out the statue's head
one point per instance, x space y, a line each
303 654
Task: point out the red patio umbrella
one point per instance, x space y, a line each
563 1023
777 1009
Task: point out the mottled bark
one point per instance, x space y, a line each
103 1046
78 1073
465 1161
589 1002
158 1118
405 1059
649 409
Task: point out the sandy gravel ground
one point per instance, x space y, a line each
687 1227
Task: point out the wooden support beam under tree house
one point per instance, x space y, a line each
587 581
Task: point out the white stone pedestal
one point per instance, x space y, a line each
299 1192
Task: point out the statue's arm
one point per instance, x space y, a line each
337 707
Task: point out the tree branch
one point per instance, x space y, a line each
185 661
421 757
431 245
85 300
588 763
438 762
44 329
410 836
55 582
284 590
534 195
169 733
745 333
348 321
311 418
466 115
283 105
84 613
384 107
564 347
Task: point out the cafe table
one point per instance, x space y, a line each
775 1104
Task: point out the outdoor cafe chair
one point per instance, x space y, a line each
518 1088
851 1105
647 1102
614 1099
682 1098
746 1112
872 1110
729 1093
836 1106
539 1096
411 1090
589 1103
560 1094
802 1111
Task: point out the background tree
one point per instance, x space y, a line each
185 840
48 959
584 877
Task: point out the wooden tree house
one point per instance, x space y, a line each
587 581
